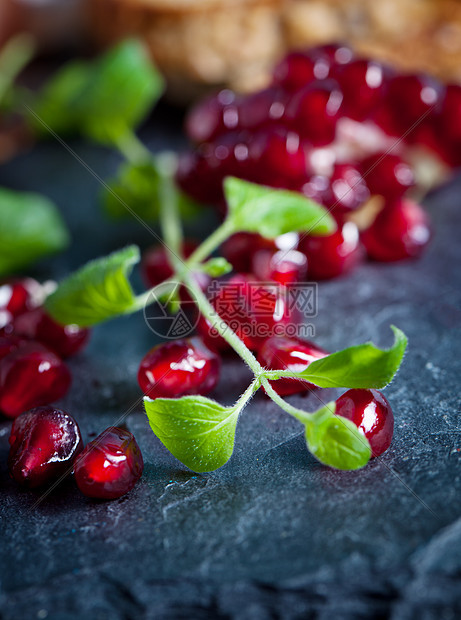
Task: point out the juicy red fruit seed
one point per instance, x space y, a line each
31 376
110 465
261 108
348 189
8 344
179 368
313 112
37 324
277 157
363 85
450 125
240 247
333 255
401 230
44 444
212 117
300 68
337 53
17 296
388 175
294 354
285 266
370 411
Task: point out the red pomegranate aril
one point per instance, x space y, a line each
370 411
261 108
363 85
17 296
333 255
179 368
44 444
401 230
298 69
277 156
8 344
348 190
197 179
37 324
31 376
110 465
337 53
388 175
450 125
212 117
285 266
294 354
313 112
253 310
239 249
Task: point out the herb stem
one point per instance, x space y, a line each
131 147
13 58
304 417
169 215
211 243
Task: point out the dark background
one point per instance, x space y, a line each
273 533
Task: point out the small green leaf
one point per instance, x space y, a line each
336 441
272 212
30 227
99 291
137 186
216 267
198 431
362 366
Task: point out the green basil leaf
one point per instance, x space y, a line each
137 186
123 87
100 290
336 441
272 212
216 267
30 227
361 366
198 431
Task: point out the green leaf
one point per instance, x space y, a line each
216 267
103 99
30 227
272 212
361 366
336 441
198 431
123 87
100 290
136 185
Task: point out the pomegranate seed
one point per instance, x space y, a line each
239 249
370 411
388 175
337 53
450 125
318 188
8 344
363 85
110 465
65 340
262 108
179 368
197 179
285 266
31 376
17 296
277 156
333 255
348 190
212 117
294 354
298 69
401 230
314 111
252 309
44 443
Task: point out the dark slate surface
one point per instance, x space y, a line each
273 534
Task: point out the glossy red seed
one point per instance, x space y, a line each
363 84
8 344
277 157
212 117
313 112
348 190
31 376
401 230
179 368
370 411
337 53
294 354
197 179
38 325
262 108
450 125
284 266
44 443
298 69
110 465
239 249
333 255
253 310
17 296
387 175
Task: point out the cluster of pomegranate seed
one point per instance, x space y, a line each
32 348
46 446
341 130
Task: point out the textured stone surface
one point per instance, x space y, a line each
273 533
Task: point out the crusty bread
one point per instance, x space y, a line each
198 43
